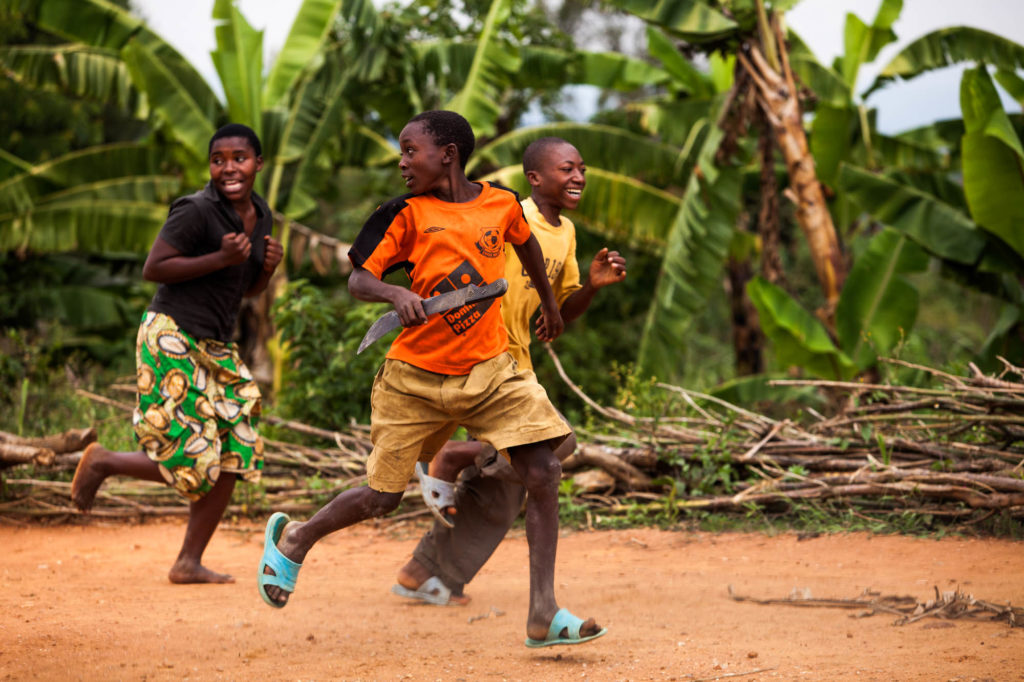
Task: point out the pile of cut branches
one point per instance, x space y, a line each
948 449
945 450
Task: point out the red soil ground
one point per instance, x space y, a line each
93 603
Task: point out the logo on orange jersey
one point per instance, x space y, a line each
434 228
489 243
462 319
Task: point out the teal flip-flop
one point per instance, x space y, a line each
286 571
564 620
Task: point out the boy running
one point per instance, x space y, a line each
489 495
197 402
449 369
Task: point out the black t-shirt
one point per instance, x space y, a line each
206 307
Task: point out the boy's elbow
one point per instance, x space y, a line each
357 283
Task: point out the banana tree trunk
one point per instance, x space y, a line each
777 96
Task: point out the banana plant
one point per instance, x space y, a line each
111 51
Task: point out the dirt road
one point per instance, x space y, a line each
93 603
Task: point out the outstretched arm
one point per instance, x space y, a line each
608 267
363 285
550 324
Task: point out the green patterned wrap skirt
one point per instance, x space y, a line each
198 407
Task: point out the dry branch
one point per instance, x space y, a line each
954 604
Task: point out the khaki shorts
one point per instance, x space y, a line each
414 412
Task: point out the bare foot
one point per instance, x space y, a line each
187 573
287 547
88 476
540 631
414 574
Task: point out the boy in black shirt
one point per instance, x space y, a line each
197 402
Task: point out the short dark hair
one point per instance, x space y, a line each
536 150
237 130
448 127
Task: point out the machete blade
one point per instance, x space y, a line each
435 304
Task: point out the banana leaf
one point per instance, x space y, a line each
832 133
92 73
1002 341
239 62
102 162
797 337
183 117
936 226
862 42
695 252
692 20
310 31
100 24
109 228
687 78
992 160
828 86
949 46
1013 84
878 306
478 100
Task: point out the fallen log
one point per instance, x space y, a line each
59 443
12 454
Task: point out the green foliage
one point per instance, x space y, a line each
799 339
325 382
992 160
93 305
38 378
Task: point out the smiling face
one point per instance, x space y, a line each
424 164
233 167
560 177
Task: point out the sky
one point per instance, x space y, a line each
187 25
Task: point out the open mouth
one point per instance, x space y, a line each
574 192
232 185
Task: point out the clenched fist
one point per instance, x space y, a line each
235 248
273 255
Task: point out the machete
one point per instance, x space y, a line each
436 304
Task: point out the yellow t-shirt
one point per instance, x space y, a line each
520 302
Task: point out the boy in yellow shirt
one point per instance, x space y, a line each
475 515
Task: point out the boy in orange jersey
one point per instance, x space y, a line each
447 370
489 496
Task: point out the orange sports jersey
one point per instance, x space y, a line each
445 246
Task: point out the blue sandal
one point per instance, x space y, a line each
564 620
286 571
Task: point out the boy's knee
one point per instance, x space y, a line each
566 447
381 503
542 471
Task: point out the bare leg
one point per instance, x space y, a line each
540 472
97 463
204 515
346 509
